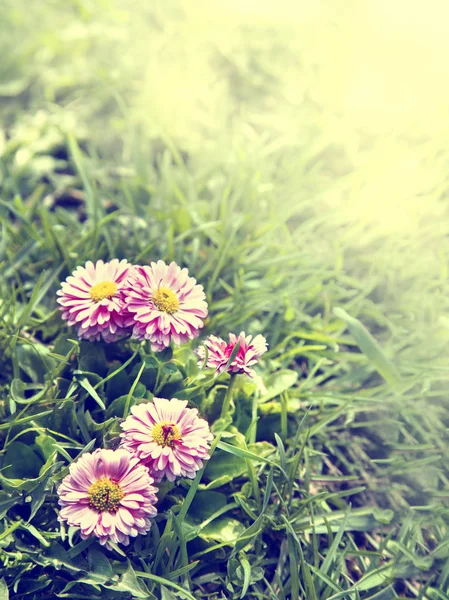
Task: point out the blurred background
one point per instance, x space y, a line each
337 105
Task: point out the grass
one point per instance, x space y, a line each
140 133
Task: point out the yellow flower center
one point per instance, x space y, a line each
105 495
166 300
165 434
105 289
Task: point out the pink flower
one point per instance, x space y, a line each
219 352
167 437
109 494
167 304
92 300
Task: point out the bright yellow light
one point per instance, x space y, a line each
368 78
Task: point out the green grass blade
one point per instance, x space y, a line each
369 346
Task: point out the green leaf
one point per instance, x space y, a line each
165 582
205 504
46 445
375 578
34 360
100 570
117 407
23 462
243 453
173 380
369 346
39 292
85 383
92 358
223 530
386 594
118 385
28 586
99 564
384 516
166 355
246 574
48 469
277 383
262 449
63 347
166 594
4 594
360 519
333 551
6 502
128 582
140 391
228 464
149 373
216 483
63 419
94 209
57 556
224 466
38 496
18 389
37 534
195 483
248 535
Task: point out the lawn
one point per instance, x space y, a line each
295 161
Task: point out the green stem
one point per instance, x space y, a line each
253 427
253 478
131 391
229 392
284 416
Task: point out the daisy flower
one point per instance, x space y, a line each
219 351
167 304
92 300
167 437
109 494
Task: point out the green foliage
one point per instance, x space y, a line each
330 471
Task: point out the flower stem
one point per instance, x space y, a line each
229 392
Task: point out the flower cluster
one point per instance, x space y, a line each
159 303
110 493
